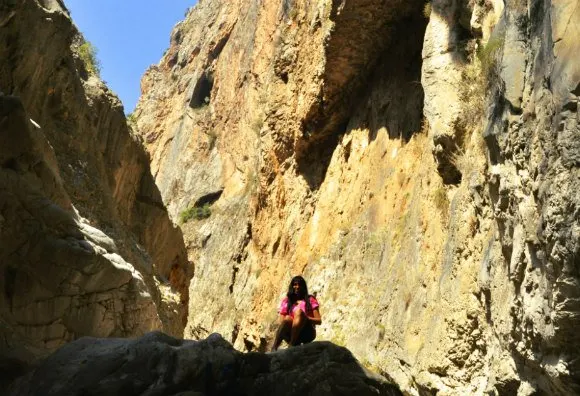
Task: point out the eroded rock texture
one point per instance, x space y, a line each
419 164
157 364
84 236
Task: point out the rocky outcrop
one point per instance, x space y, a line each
422 173
85 240
162 365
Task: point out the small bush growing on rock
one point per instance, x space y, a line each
488 55
480 77
196 213
427 8
132 118
88 54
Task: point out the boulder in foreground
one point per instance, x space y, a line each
157 364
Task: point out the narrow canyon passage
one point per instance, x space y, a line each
416 162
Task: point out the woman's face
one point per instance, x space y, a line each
297 289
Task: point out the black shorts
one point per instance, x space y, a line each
307 334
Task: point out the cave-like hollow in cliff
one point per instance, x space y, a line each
201 95
372 81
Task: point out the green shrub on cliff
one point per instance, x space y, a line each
488 56
88 54
195 212
480 77
132 118
427 9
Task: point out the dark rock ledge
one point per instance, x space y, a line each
157 364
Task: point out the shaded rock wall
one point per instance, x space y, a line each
85 238
61 277
422 174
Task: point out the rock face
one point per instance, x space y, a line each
84 236
157 364
422 174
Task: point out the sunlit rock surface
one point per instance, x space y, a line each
417 163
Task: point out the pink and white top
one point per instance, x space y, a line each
283 310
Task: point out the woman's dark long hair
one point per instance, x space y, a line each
292 298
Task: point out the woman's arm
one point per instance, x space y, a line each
315 318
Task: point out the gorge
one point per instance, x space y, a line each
417 162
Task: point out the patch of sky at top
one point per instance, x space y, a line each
130 35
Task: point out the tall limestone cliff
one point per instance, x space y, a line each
85 241
418 162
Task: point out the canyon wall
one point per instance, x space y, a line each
86 245
417 162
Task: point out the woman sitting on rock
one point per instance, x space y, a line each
298 315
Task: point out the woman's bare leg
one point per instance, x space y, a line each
282 332
298 323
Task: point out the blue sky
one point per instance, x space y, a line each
130 35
